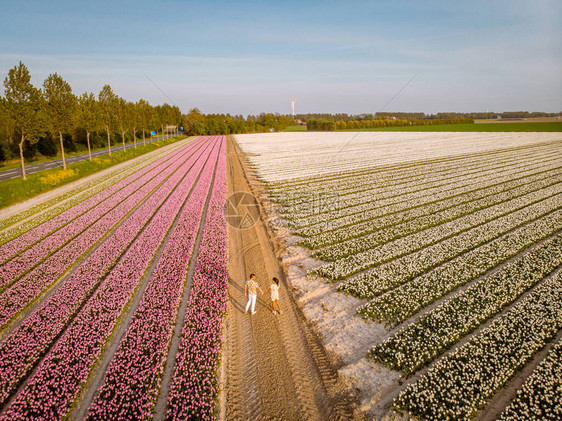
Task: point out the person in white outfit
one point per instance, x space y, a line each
250 291
274 291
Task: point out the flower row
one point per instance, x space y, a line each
347 180
195 387
294 205
133 377
305 154
366 187
429 218
21 350
472 199
397 305
66 211
69 363
61 236
462 382
399 271
82 192
31 285
540 397
419 343
376 208
460 234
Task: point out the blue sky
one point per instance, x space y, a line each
244 57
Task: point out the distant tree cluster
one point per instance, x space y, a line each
332 117
435 122
197 123
416 116
329 125
323 125
52 118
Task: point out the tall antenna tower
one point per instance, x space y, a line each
293 108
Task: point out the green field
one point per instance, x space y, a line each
481 127
295 129
484 127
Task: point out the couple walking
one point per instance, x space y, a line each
251 288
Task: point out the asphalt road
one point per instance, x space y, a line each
47 165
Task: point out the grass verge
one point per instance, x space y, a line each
16 189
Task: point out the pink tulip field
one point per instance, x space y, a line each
91 297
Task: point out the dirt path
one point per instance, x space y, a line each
275 366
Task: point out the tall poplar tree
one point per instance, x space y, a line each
60 107
89 116
25 104
108 102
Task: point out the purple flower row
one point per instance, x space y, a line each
29 341
24 241
30 286
194 389
133 378
23 262
54 386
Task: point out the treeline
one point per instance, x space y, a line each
329 125
415 116
33 120
196 123
506 114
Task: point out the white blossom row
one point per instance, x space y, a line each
540 397
342 247
282 156
361 188
396 272
345 179
451 237
402 302
463 382
294 203
339 218
419 343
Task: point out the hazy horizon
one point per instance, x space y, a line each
251 57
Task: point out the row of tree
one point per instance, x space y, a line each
29 114
490 115
330 125
32 118
414 116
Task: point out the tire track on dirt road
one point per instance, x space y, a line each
276 367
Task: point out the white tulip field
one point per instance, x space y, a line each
451 242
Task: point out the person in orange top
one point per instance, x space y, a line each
250 291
